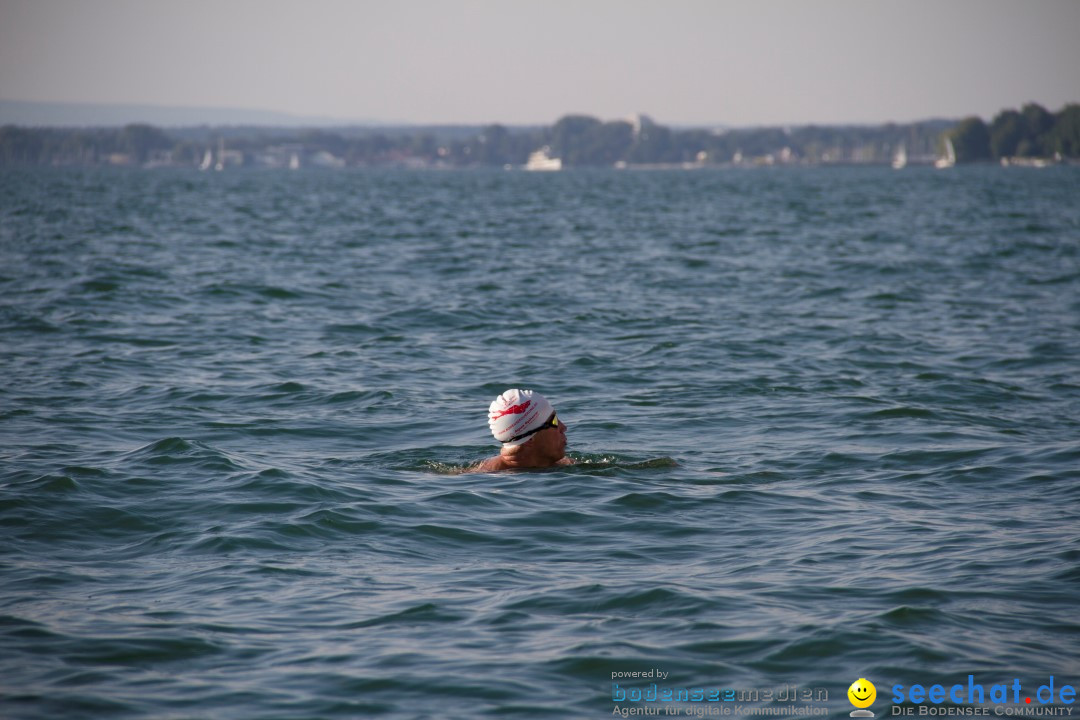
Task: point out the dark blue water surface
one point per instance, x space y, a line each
826 424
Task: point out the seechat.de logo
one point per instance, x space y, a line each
862 694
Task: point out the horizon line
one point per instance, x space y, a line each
275 119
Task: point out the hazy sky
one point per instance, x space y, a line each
531 61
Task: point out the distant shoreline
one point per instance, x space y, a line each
1030 137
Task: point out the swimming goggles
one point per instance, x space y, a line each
552 421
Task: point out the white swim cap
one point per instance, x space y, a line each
516 412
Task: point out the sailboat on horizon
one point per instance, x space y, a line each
899 160
950 156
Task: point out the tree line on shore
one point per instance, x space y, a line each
1030 132
578 140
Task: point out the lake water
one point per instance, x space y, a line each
826 424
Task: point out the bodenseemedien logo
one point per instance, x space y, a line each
862 694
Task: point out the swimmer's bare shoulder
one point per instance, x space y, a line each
492 464
498 464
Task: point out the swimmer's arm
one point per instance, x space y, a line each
565 461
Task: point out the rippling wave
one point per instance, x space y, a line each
824 425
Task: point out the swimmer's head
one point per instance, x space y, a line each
517 415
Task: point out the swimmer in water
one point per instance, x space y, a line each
531 434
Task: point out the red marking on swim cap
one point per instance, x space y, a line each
512 410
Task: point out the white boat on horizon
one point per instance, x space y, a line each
950 156
1032 162
899 160
541 160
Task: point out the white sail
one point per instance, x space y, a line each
950 156
900 158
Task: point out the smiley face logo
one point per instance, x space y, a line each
862 693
